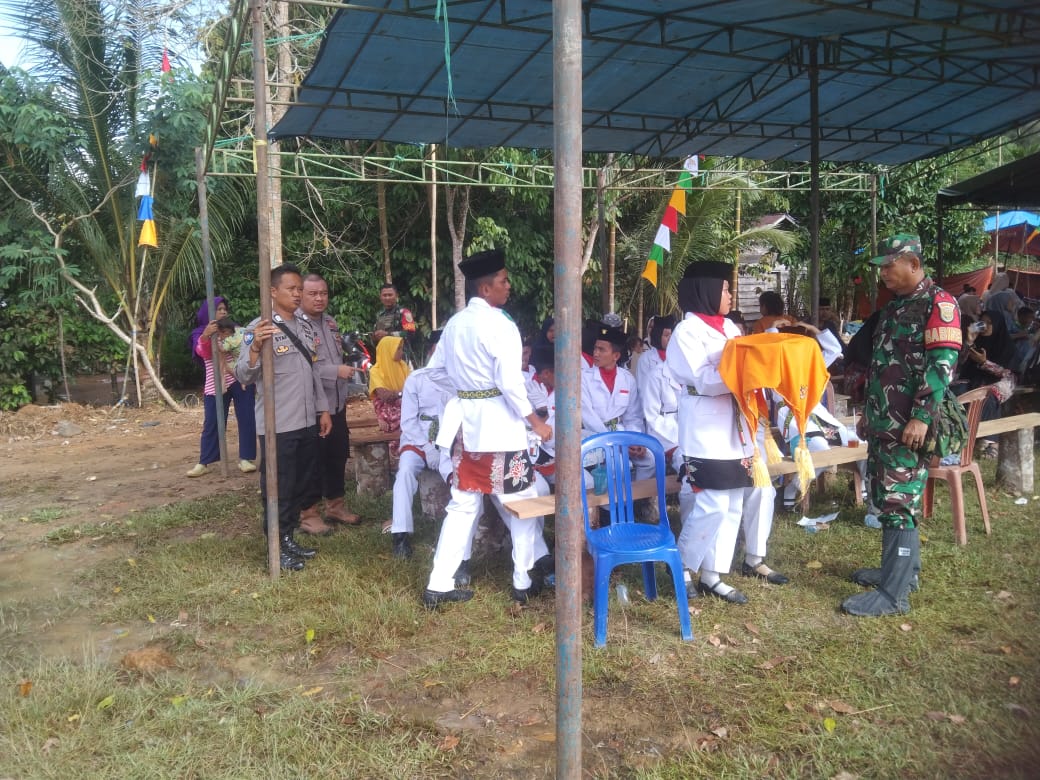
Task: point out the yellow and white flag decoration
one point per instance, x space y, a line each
670 220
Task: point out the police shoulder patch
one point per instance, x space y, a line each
247 338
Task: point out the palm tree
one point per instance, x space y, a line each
706 232
94 96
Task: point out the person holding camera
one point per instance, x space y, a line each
333 450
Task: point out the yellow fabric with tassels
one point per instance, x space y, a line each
790 364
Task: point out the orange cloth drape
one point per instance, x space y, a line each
791 365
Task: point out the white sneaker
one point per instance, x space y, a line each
246 466
197 471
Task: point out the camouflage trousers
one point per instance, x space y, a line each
897 479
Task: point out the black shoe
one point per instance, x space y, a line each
289 545
544 571
770 576
733 597
289 562
524 596
402 546
432 599
462 575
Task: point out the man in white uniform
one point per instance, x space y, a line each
479 358
422 404
610 397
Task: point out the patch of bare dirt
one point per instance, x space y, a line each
69 464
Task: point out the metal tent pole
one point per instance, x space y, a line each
814 183
567 79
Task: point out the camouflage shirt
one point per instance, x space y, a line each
916 343
396 321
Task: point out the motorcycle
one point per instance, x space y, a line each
356 355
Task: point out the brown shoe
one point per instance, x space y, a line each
335 512
311 522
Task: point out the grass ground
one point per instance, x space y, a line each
338 671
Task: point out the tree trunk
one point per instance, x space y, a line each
456 203
384 231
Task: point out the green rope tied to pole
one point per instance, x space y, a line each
441 15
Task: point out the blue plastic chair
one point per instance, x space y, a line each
626 540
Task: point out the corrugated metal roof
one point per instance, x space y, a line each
899 80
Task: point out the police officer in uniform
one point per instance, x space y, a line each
915 347
328 482
301 412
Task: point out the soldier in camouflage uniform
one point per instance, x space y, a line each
394 320
916 342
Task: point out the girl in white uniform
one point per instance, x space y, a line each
716 446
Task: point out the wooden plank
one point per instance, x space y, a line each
1006 424
835 456
526 508
373 436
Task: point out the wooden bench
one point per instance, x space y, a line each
1016 474
369 448
1016 458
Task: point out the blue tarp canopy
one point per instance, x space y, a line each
1010 219
898 81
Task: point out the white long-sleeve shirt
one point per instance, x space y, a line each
480 349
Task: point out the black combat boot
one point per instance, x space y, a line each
290 546
402 546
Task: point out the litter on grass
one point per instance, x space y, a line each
814 524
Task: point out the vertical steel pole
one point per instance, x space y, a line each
567 34
940 259
207 265
263 245
814 181
873 238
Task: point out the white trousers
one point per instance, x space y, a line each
460 522
406 483
712 509
756 520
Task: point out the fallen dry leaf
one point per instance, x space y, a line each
706 742
751 627
772 663
935 715
147 660
24 687
546 736
839 706
905 627
73 717
714 641
654 659
1014 681
843 775
1004 595
958 719
450 742
538 628
1005 649
312 691
830 724
721 732
431 683
814 565
49 745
